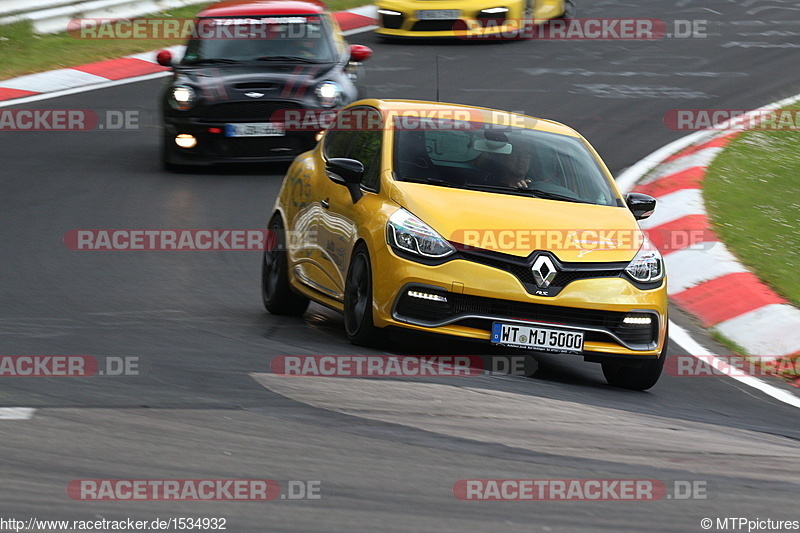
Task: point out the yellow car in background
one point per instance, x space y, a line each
472 223
466 18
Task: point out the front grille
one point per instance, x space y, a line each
435 313
248 111
261 147
521 268
434 25
253 85
391 22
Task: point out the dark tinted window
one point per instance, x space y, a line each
337 142
305 37
366 148
357 134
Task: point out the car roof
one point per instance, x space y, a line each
250 8
443 110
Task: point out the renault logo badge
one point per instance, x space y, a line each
544 271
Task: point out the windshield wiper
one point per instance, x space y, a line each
499 188
528 192
556 196
287 58
430 181
211 60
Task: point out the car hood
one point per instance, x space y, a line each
518 225
260 77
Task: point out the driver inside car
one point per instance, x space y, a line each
512 169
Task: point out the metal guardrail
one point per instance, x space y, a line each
53 16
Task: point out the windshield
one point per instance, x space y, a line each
510 160
303 38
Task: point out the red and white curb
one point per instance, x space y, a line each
138 65
705 278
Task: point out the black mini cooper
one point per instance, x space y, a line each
256 83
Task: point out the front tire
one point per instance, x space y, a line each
358 322
636 377
569 10
279 299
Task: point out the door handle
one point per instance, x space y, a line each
325 204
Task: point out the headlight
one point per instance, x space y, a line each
329 94
182 97
648 265
406 232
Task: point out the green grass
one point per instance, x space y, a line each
752 192
22 52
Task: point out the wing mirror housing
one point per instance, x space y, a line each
347 172
360 53
641 205
164 58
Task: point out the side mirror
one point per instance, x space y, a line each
347 172
360 53
164 58
641 205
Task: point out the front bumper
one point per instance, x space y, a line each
465 27
217 148
401 20
478 295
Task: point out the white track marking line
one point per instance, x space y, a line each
16 413
682 337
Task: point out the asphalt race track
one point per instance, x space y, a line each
387 453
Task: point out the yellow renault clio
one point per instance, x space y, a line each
466 18
473 223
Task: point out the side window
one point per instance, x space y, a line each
337 142
366 148
357 134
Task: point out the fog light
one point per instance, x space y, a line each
427 296
184 140
389 12
637 320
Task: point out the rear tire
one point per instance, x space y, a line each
636 377
358 322
279 299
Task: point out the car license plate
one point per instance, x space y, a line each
536 337
438 14
258 129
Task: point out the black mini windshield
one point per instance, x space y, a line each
302 38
